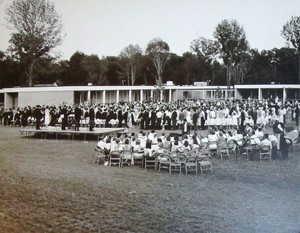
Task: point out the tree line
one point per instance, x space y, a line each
227 59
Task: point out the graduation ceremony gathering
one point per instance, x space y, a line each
150 116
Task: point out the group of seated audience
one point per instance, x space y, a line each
151 144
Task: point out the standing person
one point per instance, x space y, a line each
153 118
254 115
47 116
174 119
77 115
37 114
92 118
185 127
64 116
297 114
10 117
120 117
283 146
202 118
195 119
159 116
1 114
243 118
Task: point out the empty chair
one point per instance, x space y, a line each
99 156
115 158
176 163
191 164
223 150
296 145
150 162
204 161
164 161
265 152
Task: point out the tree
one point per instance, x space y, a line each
232 39
131 55
91 64
291 32
37 29
77 75
207 51
158 50
10 73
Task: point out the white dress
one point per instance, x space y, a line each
47 117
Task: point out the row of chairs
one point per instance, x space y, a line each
117 158
189 161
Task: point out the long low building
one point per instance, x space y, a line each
56 95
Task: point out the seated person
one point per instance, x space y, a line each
167 143
149 151
160 146
259 133
265 141
221 140
212 136
254 140
116 147
127 146
176 146
212 139
185 146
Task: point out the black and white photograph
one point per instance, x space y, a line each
150 116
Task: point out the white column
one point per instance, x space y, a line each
89 96
129 95
118 96
104 97
235 93
161 95
284 94
141 96
170 96
151 94
259 93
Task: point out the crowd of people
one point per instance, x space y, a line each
197 114
229 118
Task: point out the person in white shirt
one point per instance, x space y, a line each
265 141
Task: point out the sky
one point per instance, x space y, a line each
106 27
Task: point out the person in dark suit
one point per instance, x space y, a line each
243 118
64 115
37 114
77 114
174 119
92 118
297 114
120 117
196 116
153 118
284 144
254 115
